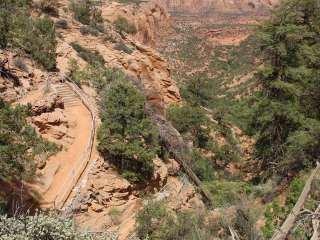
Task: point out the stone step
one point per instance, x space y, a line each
70 96
65 91
71 101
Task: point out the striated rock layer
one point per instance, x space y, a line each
149 18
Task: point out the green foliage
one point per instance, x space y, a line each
97 75
40 42
190 119
156 222
287 117
86 30
86 11
275 214
42 227
48 6
198 90
122 25
4 27
35 36
127 137
93 58
226 192
19 63
19 143
62 23
74 72
149 218
121 46
202 166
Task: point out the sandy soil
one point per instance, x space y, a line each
59 170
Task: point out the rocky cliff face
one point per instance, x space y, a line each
149 18
198 6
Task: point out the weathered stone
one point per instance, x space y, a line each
97 207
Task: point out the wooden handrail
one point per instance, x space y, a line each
70 184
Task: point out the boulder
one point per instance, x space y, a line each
97 207
48 104
48 119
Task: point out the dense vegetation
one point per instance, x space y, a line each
127 137
287 117
277 104
86 12
157 221
19 144
122 25
41 227
32 35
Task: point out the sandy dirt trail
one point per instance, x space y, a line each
61 168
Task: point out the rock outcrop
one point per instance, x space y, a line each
149 19
143 65
47 104
108 202
49 118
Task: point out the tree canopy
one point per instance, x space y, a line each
287 115
127 137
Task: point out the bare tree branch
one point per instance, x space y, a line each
282 233
316 224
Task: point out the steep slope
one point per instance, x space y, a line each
144 65
149 19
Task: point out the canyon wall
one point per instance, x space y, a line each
149 19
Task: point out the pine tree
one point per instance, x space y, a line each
287 114
127 137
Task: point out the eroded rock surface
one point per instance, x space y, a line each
149 19
106 192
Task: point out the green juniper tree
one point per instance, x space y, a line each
127 137
287 114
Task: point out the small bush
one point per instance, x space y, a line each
192 120
156 222
61 24
202 167
115 214
42 226
92 58
120 46
74 72
86 12
122 25
4 27
109 38
19 63
97 75
227 193
49 7
86 30
81 11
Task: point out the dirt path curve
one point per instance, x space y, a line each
56 181
63 168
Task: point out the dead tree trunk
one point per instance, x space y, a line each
316 224
282 233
